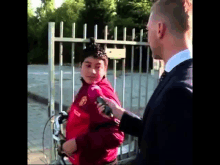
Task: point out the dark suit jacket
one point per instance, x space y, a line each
165 132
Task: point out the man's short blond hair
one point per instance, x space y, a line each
177 14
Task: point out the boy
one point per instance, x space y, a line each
91 138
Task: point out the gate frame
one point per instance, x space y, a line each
157 69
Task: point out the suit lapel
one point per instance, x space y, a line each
160 86
163 83
175 71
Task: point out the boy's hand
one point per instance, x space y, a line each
116 109
70 146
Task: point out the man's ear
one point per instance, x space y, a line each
161 28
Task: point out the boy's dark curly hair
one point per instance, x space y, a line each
96 51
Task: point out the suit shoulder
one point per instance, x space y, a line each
178 91
175 100
181 86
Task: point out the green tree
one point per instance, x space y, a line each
48 5
69 13
98 12
30 9
32 33
132 14
37 32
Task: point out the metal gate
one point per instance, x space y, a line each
132 146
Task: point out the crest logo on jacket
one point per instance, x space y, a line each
77 113
83 101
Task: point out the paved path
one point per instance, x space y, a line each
37 106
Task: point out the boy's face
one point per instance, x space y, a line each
93 70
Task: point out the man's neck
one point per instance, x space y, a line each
173 49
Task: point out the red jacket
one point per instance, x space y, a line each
97 138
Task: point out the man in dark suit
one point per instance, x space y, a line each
165 131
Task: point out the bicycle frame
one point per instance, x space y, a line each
57 134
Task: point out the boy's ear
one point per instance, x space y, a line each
106 70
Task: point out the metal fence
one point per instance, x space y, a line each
132 141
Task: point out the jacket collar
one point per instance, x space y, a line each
177 59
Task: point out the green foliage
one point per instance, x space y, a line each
123 13
132 14
69 13
49 5
30 9
98 12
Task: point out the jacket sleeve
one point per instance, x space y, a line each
131 124
174 127
107 138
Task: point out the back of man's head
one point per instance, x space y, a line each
177 15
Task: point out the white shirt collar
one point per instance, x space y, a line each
177 59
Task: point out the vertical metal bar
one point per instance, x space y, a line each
123 73
72 62
61 72
51 91
84 35
132 66
147 70
132 70
114 73
96 32
106 38
140 70
114 61
123 82
115 35
51 31
60 68
123 70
